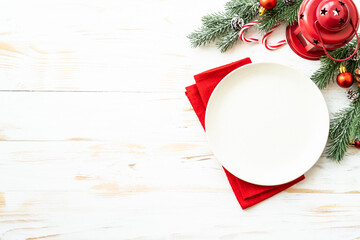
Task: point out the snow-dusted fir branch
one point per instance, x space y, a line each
214 26
220 28
282 13
329 69
344 127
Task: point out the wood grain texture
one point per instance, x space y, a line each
97 139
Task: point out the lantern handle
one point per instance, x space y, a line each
335 59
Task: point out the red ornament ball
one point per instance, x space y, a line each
268 4
357 143
345 79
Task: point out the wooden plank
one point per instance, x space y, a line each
177 214
130 129
100 116
96 116
112 168
113 46
86 189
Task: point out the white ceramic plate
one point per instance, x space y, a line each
267 123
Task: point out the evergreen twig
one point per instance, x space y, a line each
329 69
227 41
246 9
343 128
214 26
217 26
281 13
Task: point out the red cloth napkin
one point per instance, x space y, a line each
247 194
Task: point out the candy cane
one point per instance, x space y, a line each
275 46
246 26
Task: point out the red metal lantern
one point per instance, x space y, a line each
323 25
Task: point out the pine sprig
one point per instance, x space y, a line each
228 40
246 9
214 26
215 19
329 69
281 13
343 127
325 74
217 26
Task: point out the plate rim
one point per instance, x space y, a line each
323 146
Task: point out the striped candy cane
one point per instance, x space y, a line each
246 26
275 46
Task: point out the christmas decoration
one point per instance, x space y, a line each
223 29
289 2
272 46
237 23
344 79
264 39
328 70
352 95
242 32
357 75
266 5
356 56
319 26
345 125
355 143
323 26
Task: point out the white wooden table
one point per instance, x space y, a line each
99 142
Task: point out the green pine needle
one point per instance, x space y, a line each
217 26
329 69
246 9
281 13
214 20
214 26
344 127
227 41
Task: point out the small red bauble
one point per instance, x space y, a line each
357 143
345 79
268 4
